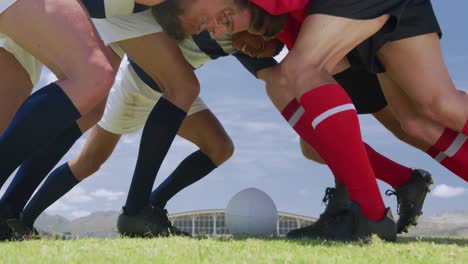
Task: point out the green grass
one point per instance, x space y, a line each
183 250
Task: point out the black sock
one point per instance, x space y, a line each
41 118
35 169
190 170
59 182
160 130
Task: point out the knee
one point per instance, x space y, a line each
409 127
219 151
305 73
182 92
310 153
84 167
98 78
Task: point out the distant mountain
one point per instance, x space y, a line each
450 224
102 225
97 224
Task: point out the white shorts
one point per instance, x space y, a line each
130 103
32 66
122 27
5 4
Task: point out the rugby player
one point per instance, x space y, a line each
393 30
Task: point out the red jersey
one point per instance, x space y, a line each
296 15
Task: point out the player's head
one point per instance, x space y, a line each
181 18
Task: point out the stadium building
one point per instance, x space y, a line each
212 222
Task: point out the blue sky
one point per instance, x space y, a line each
267 153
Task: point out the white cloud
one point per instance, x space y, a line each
109 195
78 195
80 213
446 191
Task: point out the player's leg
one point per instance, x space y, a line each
309 71
215 147
17 86
160 57
50 32
98 147
444 145
435 95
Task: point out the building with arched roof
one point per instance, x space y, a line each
212 222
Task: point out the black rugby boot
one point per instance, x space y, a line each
21 231
150 222
410 198
337 200
352 225
5 231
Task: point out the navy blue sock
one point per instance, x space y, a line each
160 130
59 182
35 169
190 170
41 118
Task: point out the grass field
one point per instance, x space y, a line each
182 250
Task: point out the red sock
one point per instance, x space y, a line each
336 127
387 170
451 150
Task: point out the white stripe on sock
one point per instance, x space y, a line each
456 145
440 157
319 119
296 116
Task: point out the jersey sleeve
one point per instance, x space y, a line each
253 65
108 8
279 7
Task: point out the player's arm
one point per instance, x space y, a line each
279 7
108 8
256 66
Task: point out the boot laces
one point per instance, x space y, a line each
392 192
329 194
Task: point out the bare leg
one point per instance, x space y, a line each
160 57
60 33
416 65
422 130
16 87
204 130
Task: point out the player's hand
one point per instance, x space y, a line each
255 46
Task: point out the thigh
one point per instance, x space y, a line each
416 65
160 57
57 32
327 39
16 87
403 109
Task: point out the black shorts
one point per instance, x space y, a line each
408 18
364 90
